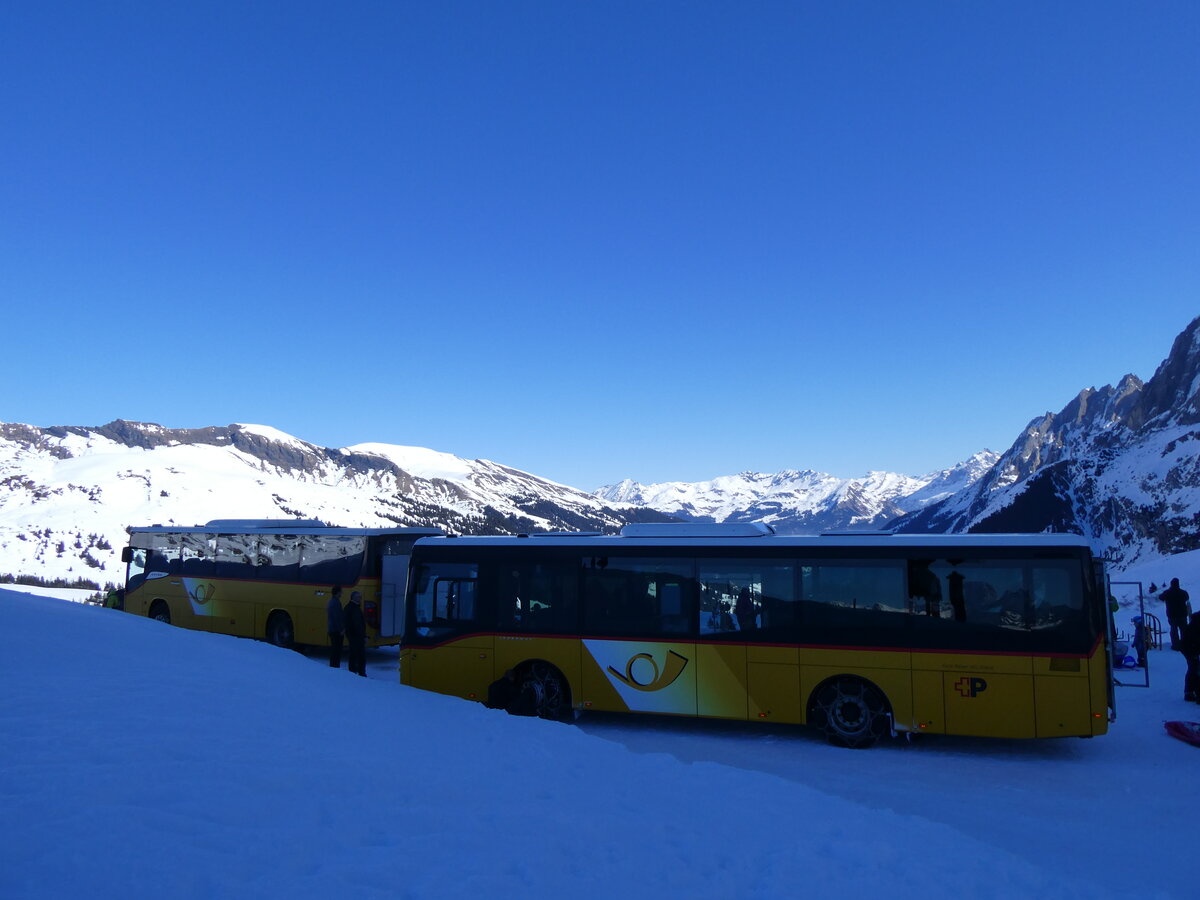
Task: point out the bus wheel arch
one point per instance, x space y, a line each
550 688
850 711
161 611
280 630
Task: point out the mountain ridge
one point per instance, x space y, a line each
68 492
802 500
1119 465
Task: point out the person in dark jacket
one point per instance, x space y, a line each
356 635
511 695
336 623
1140 644
743 610
1189 645
502 691
1179 608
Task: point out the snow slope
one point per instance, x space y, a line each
141 760
68 493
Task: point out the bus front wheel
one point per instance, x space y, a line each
850 713
160 611
280 631
551 697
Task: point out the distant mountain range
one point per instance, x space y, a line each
1120 465
67 493
802 502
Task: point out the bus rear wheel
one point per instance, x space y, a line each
850 713
160 611
548 689
280 631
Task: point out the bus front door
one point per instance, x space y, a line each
392 587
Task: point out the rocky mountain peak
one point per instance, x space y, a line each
1118 465
1172 396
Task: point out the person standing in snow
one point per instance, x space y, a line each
1189 646
336 623
1179 608
1139 640
356 635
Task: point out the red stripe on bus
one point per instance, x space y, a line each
525 636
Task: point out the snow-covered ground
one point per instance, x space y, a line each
141 760
1159 572
71 496
76 595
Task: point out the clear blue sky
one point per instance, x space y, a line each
665 241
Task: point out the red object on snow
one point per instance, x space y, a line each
1185 731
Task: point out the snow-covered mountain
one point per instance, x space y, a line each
67 493
1120 465
802 502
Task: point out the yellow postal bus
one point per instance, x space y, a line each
268 578
857 635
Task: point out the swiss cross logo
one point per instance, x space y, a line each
970 687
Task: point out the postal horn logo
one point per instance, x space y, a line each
202 593
636 670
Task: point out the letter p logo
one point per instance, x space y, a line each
970 687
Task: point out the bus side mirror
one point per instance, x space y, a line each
126 554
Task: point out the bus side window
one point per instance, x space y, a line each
778 609
236 556
162 559
336 559
739 598
542 597
445 600
638 597
197 554
673 615
279 557
1058 607
860 601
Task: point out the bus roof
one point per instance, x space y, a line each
825 541
277 526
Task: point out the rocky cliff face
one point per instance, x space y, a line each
1120 465
67 493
